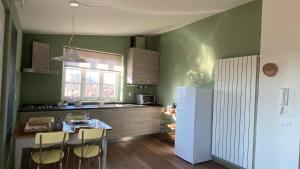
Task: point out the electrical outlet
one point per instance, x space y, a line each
130 94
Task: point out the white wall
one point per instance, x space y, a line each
277 146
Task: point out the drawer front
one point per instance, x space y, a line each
109 116
137 115
97 115
116 132
137 125
156 126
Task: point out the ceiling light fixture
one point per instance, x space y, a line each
71 55
74 3
81 2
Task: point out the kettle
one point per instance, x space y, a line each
58 125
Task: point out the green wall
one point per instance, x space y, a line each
6 144
195 47
43 88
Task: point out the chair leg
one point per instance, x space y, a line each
68 157
79 163
88 163
99 160
30 160
60 165
38 166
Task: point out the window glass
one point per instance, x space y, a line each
118 68
108 91
92 77
102 66
91 90
97 79
109 78
72 90
85 65
73 75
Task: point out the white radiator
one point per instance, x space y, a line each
234 111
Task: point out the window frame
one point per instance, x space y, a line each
118 84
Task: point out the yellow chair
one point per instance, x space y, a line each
91 144
51 148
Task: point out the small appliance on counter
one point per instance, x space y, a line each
145 99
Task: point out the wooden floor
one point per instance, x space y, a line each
145 153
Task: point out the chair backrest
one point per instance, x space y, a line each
90 134
41 120
51 138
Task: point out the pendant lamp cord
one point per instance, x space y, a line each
73 17
73 23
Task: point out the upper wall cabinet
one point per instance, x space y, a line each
142 66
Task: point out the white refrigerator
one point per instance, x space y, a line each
194 124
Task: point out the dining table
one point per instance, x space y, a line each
27 139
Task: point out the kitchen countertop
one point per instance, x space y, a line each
86 107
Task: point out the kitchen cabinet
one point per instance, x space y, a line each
113 117
142 66
129 122
140 121
125 122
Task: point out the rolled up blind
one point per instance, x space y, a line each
96 60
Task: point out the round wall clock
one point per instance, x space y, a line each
270 69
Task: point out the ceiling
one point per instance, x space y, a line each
130 17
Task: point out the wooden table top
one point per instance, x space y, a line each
20 134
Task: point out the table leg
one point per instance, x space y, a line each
18 155
19 145
104 145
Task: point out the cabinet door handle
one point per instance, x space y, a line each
140 122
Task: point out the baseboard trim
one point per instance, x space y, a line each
226 163
131 138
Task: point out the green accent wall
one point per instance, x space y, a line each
7 144
195 47
43 88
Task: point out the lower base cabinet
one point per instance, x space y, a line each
126 122
129 122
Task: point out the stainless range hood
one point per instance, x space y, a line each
40 59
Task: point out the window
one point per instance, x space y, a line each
98 79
